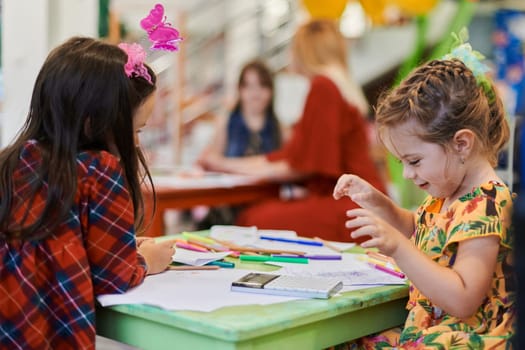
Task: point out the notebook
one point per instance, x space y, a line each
297 286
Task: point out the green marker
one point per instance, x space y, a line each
265 258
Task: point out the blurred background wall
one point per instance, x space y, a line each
197 84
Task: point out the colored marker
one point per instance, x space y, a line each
220 263
312 256
288 240
388 265
199 238
215 247
379 256
183 245
265 258
387 270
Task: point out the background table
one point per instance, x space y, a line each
300 324
222 190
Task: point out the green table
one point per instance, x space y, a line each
300 324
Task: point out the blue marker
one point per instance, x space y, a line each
297 241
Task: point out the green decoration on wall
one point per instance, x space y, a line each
103 18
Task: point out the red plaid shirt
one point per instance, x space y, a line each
48 287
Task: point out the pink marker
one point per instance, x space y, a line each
234 253
190 247
387 270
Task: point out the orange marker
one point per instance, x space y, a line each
380 256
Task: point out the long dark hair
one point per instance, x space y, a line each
266 79
82 100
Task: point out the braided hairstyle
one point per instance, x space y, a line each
443 97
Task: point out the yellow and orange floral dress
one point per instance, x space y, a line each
486 211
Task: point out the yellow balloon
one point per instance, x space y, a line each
375 10
415 7
332 9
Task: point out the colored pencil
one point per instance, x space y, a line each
328 244
242 249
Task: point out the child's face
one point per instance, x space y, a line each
142 115
254 96
426 164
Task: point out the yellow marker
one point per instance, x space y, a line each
387 265
206 240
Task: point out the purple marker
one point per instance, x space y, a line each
312 256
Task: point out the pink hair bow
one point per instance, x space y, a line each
135 64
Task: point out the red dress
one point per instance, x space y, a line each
329 140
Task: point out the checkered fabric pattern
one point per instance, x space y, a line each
48 287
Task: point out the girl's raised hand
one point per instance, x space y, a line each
383 236
368 197
359 191
157 255
211 161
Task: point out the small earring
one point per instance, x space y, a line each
462 160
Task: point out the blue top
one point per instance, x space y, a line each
241 141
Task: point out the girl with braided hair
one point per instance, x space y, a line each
446 125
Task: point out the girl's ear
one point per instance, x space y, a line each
463 142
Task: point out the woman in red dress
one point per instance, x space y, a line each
330 139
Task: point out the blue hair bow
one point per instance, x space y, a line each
463 51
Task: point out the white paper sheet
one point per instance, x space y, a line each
206 180
277 233
191 290
190 257
240 235
350 270
210 290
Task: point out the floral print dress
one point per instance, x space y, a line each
486 211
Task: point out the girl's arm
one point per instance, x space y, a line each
459 290
108 224
157 255
401 219
110 242
368 197
253 165
213 159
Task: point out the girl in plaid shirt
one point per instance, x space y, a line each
70 196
